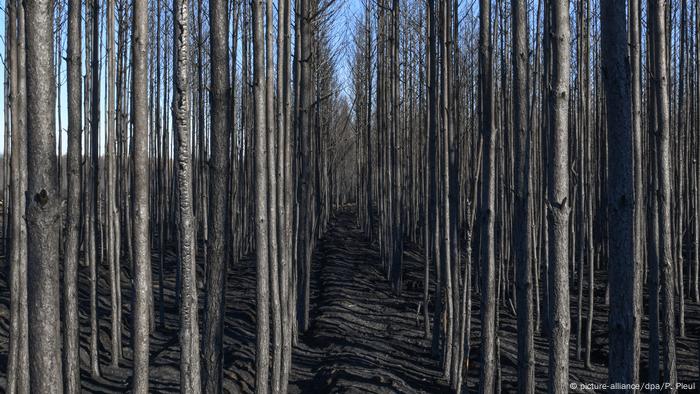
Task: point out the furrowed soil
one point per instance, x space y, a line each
362 338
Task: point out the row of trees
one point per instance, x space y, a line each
565 131
532 149
198 152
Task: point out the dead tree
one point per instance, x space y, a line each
71 327
488 259
92 177
558 199
272 203
141 226
218 258
262 357
622 269
189 330
111 226
636 99
303 133
43 202
18 352
521 233
664 196
284 188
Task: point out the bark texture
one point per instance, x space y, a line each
43 203
558 199
189 330
141 226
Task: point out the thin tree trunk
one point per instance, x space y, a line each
488 259
92 182
283 211
71 334
18 354
189 331
218 258
109 207
523 217
272 207
141 226
635 74
558 199
665 248
305 90
653 248
262 358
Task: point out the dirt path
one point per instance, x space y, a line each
363 338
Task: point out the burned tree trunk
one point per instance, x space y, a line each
18 363
488 201
558 200
219 228
43 202
664 196
622 269
71 333
523 217
141 226
189 331
262 358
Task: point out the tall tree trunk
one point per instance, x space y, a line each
283 184
369 231
446 252
433 120
272 207
429 197
262 358
622 266
696 167
521 233
636 80
111 213
71 333
488 201
18 363
664 167
92 183
189 331
218 258
303 126
7 107
653 247
558 199
141 226
43 202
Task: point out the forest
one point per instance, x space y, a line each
365 196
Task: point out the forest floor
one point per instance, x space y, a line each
362 337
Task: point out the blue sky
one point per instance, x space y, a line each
346 12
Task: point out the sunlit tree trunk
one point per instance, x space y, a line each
141 226
189 331
262 357
71 327
18 356
558 199
488 258
43 202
